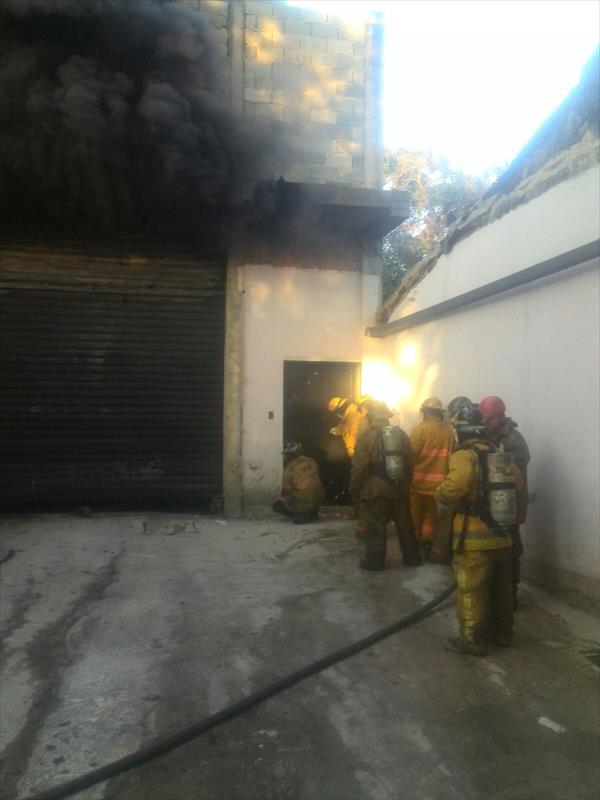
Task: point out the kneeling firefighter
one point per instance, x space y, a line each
482 483
380 480
302 491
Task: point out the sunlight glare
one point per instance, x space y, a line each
381 381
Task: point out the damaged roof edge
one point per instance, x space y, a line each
579 112
572 258
565 145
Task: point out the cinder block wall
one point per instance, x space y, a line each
316 73
218 13
319 77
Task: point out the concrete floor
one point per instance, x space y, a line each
121 628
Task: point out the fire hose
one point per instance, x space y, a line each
162 746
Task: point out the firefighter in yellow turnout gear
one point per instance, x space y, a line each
482 551
432 442
380 499
350 416
441 544
301 491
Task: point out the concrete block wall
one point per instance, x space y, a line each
314 72
307 69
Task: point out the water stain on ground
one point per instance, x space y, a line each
49 654
323 535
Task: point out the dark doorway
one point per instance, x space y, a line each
307 388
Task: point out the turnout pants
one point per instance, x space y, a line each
484 596
299 517
378 512
441 544
361 513
517 552
423 511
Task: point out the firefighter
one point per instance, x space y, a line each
381 499
482 551
441 543
363 403
350 417
502 430
456 404
432 441
302 492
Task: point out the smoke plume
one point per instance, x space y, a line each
114 118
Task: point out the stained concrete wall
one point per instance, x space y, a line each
319 77
306 300
291 314
318 74
537 347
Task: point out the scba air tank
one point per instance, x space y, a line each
501 488
391 437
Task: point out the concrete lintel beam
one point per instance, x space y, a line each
368 213
338 194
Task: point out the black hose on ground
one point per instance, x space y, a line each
163 746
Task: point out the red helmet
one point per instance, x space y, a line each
491 406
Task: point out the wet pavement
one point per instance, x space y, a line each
119 629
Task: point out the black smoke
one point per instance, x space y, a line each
114 118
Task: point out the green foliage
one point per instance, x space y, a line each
439 195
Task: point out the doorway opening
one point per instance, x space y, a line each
307 388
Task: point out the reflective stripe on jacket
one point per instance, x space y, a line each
462 482
432 443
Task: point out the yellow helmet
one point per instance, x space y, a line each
335 404
432 403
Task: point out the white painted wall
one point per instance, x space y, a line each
559 220
292 314
537 347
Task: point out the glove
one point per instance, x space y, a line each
334 432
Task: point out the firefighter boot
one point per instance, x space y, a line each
460 645
372 566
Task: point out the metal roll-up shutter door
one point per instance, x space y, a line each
111 369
